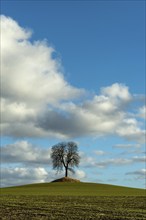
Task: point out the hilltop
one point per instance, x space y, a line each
72 189
66 179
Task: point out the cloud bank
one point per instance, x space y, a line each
37 100
22 175
25 175
26 153
24 163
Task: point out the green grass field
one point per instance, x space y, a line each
72 201
73 189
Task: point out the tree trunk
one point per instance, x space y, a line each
66 171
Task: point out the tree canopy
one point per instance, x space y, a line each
65 155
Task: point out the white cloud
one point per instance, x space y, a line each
37 101
79 174
130 130
117 91
31 80
24 152
29 73
22 175
33 159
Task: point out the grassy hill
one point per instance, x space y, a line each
72 200
73 189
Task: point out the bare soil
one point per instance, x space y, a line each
66 179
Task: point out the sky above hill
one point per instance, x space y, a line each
73 71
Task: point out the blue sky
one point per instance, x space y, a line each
73 70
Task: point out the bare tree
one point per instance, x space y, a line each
65 155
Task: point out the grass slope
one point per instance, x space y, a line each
72 189
72 201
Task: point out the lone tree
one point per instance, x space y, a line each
65 155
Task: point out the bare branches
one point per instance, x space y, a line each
65 155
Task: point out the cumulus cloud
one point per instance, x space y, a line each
117 92
130 130
79 174
100 116
35 76
34 162
37 101
30 155
13 176
24 152
22 175
31 80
